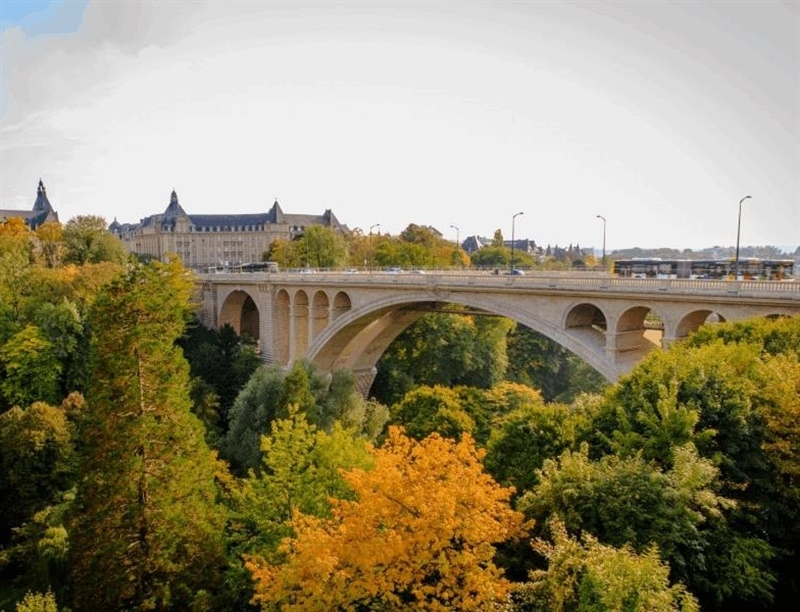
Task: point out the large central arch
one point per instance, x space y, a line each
357 339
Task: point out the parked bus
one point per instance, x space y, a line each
749 268
260 266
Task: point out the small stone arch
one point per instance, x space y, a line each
588 324
639 330
692 321
239 310
341 304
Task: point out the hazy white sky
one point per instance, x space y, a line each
659 116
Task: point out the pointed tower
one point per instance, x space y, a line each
42 204
275 214
174 209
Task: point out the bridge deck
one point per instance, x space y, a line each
565 281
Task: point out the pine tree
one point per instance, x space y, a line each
146 531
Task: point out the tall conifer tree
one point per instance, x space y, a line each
146 530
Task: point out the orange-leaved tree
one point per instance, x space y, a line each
420 535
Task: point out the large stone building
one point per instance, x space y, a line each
204 241
42 210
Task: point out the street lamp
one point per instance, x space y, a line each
458 248
458 241
604 239
378 225
738 234
513 218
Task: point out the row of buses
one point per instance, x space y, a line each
749 268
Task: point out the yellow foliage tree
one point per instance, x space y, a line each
420 536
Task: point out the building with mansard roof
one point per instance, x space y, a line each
220 240
42 210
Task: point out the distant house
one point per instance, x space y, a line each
203 241
474 243
524 245
42 210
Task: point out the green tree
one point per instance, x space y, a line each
539 362
256 407
87 240
729 389
268 396
325 247
426 410
301 471
588 575
344 404
629 501
145 529
37 462
497 257
527 437
30 369
497 239
62 325
224 361
443 349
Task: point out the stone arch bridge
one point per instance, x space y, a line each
338 320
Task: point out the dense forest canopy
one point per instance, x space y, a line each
147 462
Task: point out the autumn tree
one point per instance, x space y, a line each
50 244
286 253
15 259
145 531
419 535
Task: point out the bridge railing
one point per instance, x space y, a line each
567 281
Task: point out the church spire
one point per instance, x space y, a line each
42 203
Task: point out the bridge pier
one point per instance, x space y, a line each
364 380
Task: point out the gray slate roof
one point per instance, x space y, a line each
42 210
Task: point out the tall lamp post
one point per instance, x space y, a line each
458 241
738 234
513 219
604 239
378 225
458 244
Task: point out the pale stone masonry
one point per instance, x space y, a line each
215 241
